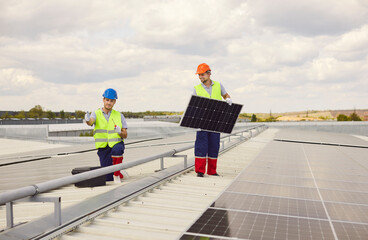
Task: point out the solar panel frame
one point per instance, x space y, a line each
210 114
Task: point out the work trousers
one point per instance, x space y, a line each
105 156
207 144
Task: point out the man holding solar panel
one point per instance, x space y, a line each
207 143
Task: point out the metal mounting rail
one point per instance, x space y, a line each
320 143
31 191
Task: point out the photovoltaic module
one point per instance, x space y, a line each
210 114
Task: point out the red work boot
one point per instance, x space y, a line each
117 175
200 165
212 166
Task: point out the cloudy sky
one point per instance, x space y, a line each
278 55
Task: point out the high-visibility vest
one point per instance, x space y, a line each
215 94
104 132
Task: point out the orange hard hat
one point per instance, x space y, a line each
202 68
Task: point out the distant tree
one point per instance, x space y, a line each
342 117
49 114
36 112
153 113
62 114
79 114
254 118
87 134
6 115
244 115
355 117
270 119
132 115
20 115
67 115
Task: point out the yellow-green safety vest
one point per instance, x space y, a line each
104 132
215 94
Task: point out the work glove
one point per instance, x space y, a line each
229 101
117 129
87 116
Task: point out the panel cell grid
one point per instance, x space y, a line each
345 196
274 190
272 205
244 225
348 212
303 173
277 179
210 114
344 186
351 231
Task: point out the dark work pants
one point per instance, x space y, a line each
105 156
207 144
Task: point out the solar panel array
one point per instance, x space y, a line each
293 191
210 114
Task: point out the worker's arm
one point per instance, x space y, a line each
121 131
91 121
226 95
124 127
124 133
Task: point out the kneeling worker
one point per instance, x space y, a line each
109 133
207 143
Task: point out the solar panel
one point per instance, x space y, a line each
293 191
210 114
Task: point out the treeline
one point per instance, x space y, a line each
149 113
254 118
38 112
351 117
341 117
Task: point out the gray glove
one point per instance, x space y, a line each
229 101
117 129
87 116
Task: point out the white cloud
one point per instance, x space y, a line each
17 81
311 17
179 23
351 46
332 70
281 55
31 19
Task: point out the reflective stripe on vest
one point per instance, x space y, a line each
215 94
104 132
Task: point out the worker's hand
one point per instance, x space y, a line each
229 101
117 129
87 116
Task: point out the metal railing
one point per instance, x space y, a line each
29 193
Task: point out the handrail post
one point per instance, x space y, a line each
185 161
162 163
9 215
55 200
57 211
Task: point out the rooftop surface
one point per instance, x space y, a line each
282 184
